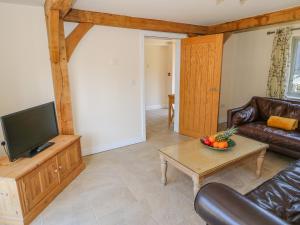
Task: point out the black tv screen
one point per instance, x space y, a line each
27 130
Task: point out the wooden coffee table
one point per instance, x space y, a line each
198 162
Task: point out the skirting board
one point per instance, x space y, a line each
152 107
107 147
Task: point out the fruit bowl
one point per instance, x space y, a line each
230 142
220 141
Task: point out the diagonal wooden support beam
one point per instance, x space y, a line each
106 19
75 36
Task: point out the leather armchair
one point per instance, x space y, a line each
218 204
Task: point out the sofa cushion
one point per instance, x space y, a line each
261 132
281 194
267 107
282 123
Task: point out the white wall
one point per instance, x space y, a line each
106 91
105 75
158 85
25 75
246 63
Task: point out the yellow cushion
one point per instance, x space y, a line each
282 123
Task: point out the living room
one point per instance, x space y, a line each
82 62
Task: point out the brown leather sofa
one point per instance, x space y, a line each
252 122
275 202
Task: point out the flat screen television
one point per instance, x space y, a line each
28 132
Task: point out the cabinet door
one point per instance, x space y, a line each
38 183
50 175
68 159
32 185
75 155
63 160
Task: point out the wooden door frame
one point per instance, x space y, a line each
162 35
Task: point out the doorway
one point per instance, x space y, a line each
159 85
160 77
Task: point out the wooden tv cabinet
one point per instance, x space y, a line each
28 185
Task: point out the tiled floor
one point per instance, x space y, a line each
122 187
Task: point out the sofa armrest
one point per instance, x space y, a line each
218 204
245 114
230 114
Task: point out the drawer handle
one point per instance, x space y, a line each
60 167
55 171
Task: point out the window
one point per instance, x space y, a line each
294 77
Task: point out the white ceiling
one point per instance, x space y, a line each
203 12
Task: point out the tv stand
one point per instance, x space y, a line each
28 185
39 149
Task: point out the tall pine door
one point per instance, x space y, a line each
200 78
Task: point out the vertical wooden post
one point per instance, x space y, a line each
54 12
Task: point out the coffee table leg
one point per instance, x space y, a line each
163 166
197 180
259 162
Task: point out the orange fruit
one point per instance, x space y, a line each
223 144
216 144
212 139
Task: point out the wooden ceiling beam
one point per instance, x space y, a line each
106 19
282 16
75 36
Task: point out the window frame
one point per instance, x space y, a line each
291 72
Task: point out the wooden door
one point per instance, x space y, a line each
200 77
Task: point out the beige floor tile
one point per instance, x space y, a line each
69 215
122 186
137 214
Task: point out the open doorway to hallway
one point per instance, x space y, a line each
159 85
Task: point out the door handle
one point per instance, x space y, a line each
213 90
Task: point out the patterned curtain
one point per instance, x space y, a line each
280 54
